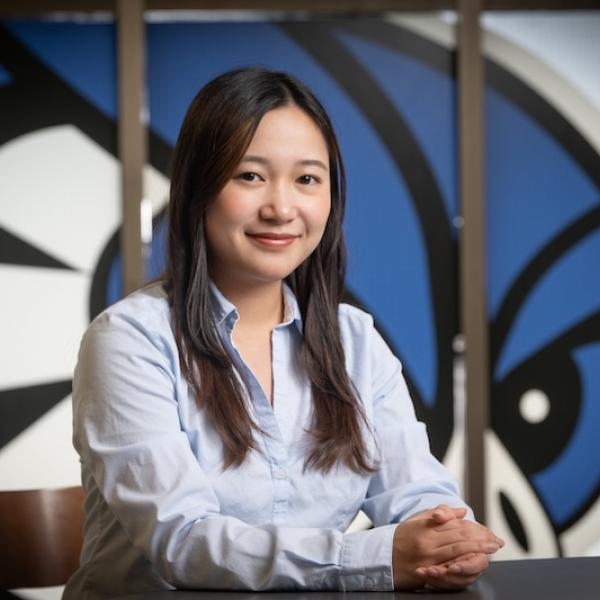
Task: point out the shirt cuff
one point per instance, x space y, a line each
366 562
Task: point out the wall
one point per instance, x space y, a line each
389 85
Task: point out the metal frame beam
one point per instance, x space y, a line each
472 250
33 7
132 136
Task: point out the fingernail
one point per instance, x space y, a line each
421 571
455 568
490 547
500 542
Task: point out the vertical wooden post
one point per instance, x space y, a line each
132 136
472 250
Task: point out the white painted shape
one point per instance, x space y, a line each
42 456
534 406
583 538
503 475
567 41
156 188
49 593
506 42
360 523
431 25
593 550
454 459
43 314
546 80
59 190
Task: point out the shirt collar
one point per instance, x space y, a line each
292 313
226 312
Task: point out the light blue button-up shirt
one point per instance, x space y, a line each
160 511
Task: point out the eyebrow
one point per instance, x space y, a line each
308 162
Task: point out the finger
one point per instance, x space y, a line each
443 513
454 550
473 565
439 577
470 531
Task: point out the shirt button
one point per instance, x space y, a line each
280 474
368 583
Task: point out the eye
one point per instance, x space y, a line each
308 179
249 176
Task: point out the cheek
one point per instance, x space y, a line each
227 212
321 215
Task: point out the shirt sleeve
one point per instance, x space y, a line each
410 479
128 433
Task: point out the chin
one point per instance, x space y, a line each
273 273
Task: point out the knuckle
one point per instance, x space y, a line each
420 546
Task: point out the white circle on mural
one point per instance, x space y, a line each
534 406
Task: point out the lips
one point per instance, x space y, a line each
273 240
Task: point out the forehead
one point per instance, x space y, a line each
288 129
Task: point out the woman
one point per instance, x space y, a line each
234 417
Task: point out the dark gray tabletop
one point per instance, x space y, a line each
552 579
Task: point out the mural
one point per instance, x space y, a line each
391 92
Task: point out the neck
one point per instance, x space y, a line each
260 305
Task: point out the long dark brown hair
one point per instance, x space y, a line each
215 134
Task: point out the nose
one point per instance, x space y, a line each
279 204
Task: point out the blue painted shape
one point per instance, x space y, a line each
534 189
114 283
388 268
566 295
426 99
568 483
155 264
82 54
158 251
5 76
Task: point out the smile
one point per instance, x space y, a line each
273 240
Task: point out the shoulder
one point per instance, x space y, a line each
143 315
148 305
354 319
357 332
364 347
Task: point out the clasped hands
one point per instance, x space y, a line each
438 549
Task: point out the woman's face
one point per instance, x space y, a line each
272 213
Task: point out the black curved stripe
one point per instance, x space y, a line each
514 522
399 39
318 39
37 98
15 251
349 298
20 407
501 80
99 289
40 98
585 332
540 111
533 272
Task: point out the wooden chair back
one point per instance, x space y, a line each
41 533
